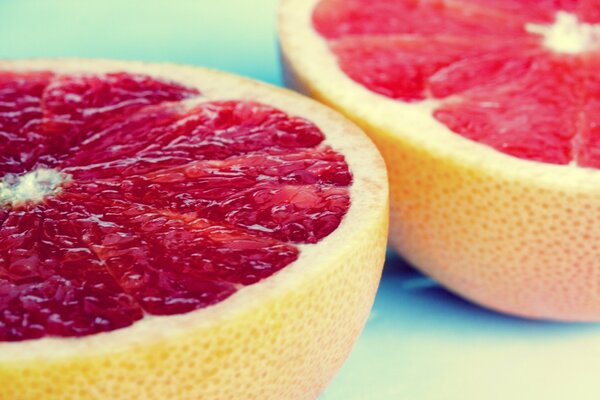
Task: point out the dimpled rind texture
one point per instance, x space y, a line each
505 243
516 236
282 338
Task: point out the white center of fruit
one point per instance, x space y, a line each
567 34
30 187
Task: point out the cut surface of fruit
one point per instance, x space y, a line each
486 113
173 208
521 88
150 209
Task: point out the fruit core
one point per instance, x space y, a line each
568 34
124 195
31 187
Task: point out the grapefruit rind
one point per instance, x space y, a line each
514 235
283 337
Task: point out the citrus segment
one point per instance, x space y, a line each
215 130
534 115
172 263
340 18
77 106
21 141
588 10
412 68
587 147
53 284
530 10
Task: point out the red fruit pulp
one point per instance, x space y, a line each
163 207
507 88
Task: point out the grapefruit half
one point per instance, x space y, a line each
169 232
487 115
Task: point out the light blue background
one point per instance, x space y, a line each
420 343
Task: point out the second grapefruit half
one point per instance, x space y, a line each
487 113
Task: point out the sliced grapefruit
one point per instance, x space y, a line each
169 232
487 115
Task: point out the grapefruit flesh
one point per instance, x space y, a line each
157 208
506 89
174 232
487 115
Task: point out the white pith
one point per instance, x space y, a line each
567 34
33 186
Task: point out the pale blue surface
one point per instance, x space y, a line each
421 343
